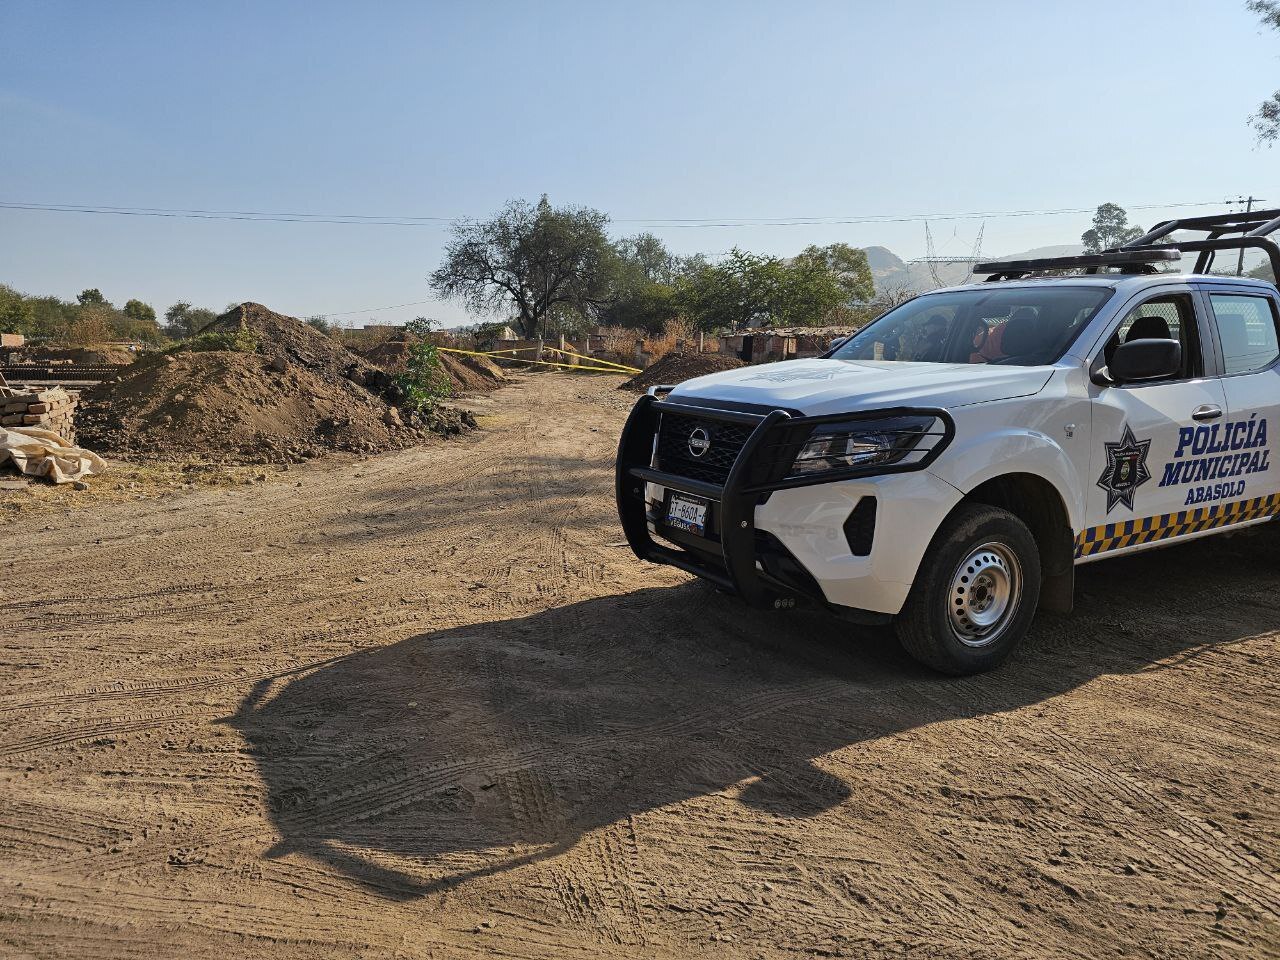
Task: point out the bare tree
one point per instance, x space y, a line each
531 260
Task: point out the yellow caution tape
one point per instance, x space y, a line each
543 363
597 360
500 354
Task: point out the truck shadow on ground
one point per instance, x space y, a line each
469 751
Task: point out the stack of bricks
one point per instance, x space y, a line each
50 408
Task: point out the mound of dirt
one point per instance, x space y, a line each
472 373
390 355
88 356
677 367
294 395
468 374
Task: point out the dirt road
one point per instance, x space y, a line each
427 705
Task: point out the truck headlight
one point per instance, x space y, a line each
855 445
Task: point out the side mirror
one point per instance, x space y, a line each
1140 360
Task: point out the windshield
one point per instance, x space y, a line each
1018 326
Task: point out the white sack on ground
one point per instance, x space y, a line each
42 453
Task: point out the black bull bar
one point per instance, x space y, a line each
760 468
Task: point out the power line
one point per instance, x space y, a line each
107 208
394 306
195 215
909 218
652 222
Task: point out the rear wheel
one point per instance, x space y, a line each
975 594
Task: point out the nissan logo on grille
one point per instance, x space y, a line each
699 442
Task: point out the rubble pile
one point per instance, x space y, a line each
467 373
256 387
102 355
48 408
676 367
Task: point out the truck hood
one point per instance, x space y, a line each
817 387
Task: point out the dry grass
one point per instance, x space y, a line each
675 332
124 481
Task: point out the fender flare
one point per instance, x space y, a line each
968 465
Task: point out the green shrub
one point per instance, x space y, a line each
242 341
425 383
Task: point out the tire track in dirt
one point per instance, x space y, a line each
102 729
141 691
603 764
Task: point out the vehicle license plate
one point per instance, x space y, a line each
687 514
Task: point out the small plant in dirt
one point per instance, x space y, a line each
242 341
425 382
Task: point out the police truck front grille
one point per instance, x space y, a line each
724 441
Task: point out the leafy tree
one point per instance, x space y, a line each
746 287
139 311
848 264
646 257
182 320
37 318
51 317
641 291
16 315
91 295
643 305
1110 229
321 323
1266 121
531 259
137 321
487 335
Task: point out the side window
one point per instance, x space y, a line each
1247 330
1170 317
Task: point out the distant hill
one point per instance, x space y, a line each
891 272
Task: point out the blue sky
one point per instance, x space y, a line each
644 110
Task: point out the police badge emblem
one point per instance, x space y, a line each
1126 469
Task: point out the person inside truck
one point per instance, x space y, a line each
932 347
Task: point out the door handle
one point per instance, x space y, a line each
1207 411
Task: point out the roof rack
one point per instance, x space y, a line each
1129 261
1255 229
1140 255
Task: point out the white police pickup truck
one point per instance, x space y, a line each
949 465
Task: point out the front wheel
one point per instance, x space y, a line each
975 594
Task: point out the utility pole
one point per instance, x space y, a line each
1240 261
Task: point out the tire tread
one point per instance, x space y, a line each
921 626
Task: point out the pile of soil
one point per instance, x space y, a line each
468 374
677 367
294 396
82 356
